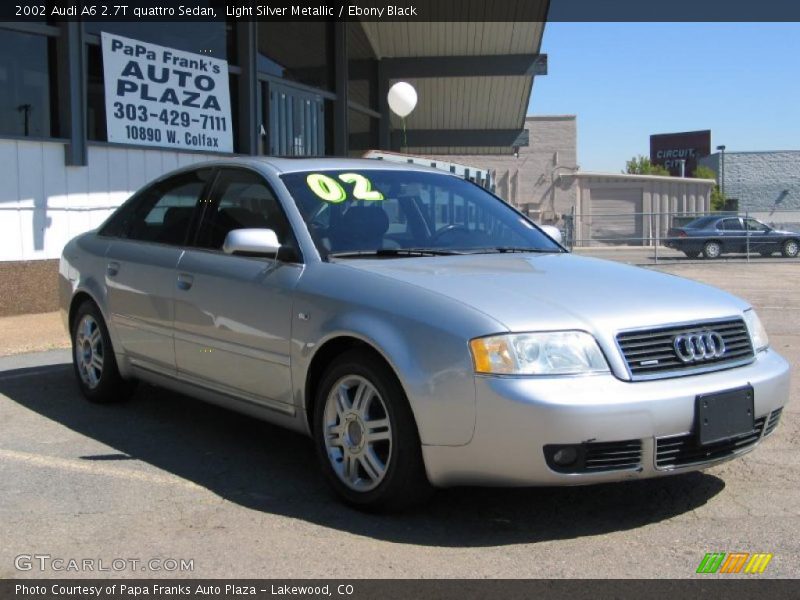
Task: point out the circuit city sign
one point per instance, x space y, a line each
669 149
158 96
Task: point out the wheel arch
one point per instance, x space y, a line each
326 354
79 298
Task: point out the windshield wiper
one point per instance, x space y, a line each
392 252
504 249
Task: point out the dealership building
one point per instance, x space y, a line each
90 112
69 155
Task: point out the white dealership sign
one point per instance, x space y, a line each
158 96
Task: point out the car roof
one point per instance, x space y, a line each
281 165
702 221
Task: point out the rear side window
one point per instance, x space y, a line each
162 213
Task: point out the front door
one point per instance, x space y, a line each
760 237
233 314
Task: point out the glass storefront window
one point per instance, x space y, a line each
28 92
95 95
301 52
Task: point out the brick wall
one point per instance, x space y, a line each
761 181
29 286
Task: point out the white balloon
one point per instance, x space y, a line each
402 98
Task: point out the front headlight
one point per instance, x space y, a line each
546 353
758 335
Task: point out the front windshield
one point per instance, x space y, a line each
396 212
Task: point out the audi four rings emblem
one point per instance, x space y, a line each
697 347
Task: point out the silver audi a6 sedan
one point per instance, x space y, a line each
419 329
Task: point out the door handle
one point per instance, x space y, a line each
185 281
112 268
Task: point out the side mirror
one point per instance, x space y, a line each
553 231
256 242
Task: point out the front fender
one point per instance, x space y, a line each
433 367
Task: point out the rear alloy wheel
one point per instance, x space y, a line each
712 250
790 248
366 436
93 358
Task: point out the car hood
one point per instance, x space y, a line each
559 291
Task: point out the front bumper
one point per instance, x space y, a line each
517 417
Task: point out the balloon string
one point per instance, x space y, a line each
405 136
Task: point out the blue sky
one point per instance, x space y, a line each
625 81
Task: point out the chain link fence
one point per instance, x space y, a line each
686 235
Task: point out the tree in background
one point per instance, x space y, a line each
641 165
717 199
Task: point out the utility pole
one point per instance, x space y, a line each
722 170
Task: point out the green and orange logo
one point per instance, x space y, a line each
734 562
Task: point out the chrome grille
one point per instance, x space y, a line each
650 353
683 450
772 422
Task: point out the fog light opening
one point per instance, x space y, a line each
566 456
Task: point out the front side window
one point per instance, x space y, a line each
162 213
242 200
753 225
389 211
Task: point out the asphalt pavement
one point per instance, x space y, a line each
168 478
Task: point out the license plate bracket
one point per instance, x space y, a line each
724 415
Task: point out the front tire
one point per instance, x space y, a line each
93 358
366 436
790 248
712 249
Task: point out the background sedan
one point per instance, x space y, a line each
715 235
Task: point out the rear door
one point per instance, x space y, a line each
233 314
149 234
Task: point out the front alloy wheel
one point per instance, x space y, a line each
366 436
358 433
790 248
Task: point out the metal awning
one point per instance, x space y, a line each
473 80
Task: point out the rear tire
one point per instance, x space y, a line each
790 248
712 250
93 358
366 436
